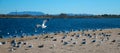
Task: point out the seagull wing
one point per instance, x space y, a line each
38 25
44 22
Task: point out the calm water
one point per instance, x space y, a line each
10 26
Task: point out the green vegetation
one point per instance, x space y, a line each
62 15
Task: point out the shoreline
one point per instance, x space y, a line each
39 35
101 41
57 17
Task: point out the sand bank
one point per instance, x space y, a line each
90 41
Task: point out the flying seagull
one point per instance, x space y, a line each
43 24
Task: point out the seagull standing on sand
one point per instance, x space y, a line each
43 24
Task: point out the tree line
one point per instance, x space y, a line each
62 15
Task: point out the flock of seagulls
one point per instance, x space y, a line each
66 39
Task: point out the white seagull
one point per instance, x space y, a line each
43 24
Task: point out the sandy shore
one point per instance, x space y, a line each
91 41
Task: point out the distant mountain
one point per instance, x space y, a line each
79 14
26 12
71 14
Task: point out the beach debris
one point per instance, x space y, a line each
36 37
89 35
14 36
51 47
18 46
20 43
65 43
83 41
22 36
14 43
108 35
55 33
61 40
93 41
26 49
25 43
71 45
66 32
74 42
78 35
54 39
118 33
94 33
72 35
85 34
51 37
1 43
64 36
113 40
94 36
107 38
11 49
41 46
71 39
30 46
82 32
4 42
45 37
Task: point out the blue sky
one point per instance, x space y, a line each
61 6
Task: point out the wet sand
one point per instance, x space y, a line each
90 41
